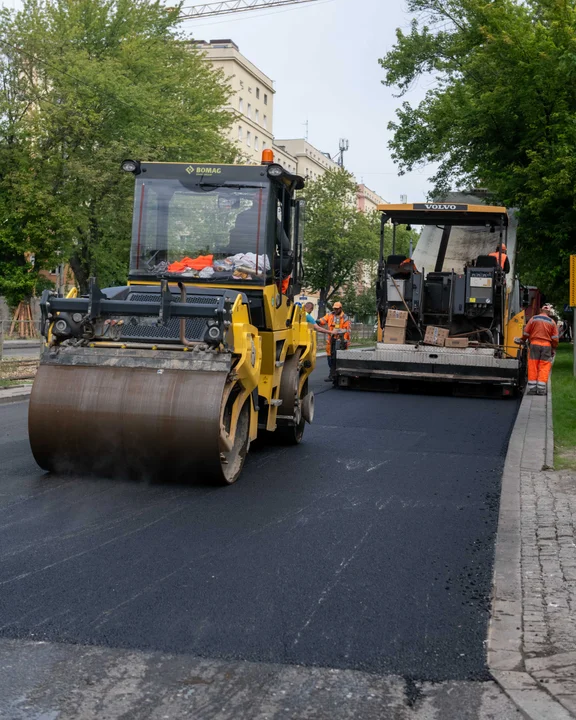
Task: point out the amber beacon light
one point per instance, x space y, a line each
267 156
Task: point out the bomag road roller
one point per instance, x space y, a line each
177 372
451 312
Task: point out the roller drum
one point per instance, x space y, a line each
140 422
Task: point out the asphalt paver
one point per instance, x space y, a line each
368 547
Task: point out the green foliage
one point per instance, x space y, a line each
337 235
564 392
83 85
361 306
403 238
501 114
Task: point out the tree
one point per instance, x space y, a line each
501 114
359 305
404 238
337 235
84 85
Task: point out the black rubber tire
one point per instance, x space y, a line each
522 372
232 462
290 434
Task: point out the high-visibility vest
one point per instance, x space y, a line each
503 257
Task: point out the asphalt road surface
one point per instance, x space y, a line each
368 547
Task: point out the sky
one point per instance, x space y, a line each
323 58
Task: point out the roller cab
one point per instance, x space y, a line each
175 373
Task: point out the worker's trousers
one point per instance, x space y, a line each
331 362
539 366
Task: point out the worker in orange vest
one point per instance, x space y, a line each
500 252
339 324
408 264
542 334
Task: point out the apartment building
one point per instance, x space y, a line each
367 199
252 100
285 159
311 162
252 97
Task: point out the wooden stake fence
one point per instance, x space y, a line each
23 321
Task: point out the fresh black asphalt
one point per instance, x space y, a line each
369 546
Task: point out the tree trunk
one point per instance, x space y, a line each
322 302
81 273
80 261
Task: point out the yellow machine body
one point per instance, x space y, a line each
177 375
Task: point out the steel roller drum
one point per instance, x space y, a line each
138 421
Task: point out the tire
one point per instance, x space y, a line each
522 372
292 434
232 462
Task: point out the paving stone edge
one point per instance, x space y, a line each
15 394
505 634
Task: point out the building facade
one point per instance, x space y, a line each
252 101
311 162
367 199
252 97
284 158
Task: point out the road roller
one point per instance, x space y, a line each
203 350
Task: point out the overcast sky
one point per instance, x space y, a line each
323 58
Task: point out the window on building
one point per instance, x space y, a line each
249 89
249 110
257 115
265 99
248 138
263 145
240 133
257 93
256 143
265 121
241 105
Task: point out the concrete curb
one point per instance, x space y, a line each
22 343
549 462
531 448
15 394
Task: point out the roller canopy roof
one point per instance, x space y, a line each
448 213
216 174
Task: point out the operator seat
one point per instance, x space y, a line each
243 234
486 261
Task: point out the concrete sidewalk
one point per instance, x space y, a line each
532 637
16 393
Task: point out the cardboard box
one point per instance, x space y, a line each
456 342
435 336
394 335
396 318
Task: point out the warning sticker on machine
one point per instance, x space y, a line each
480 282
